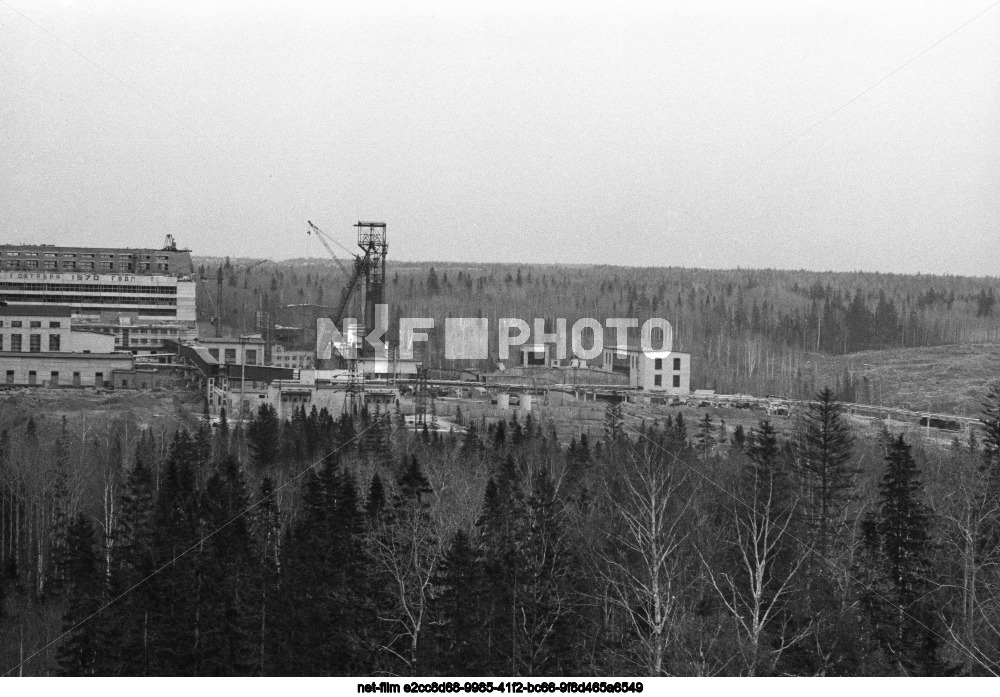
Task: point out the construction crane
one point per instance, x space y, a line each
353 277
325 240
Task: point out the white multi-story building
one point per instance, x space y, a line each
655 371
138 296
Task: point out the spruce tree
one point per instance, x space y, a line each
457 640
896 539
614 427
80 652
825 474
706 436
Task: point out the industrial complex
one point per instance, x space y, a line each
123 318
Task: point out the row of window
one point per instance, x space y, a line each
83 265
77 299
229 355
658 364
87 255
658 380
133 330
133 342
53 378
14 323
88 288
34 343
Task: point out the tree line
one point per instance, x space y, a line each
353 545
752 330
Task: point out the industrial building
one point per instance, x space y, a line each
287 358
140 297
40 346
655 371
247 349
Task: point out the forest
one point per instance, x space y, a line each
752 330
352 545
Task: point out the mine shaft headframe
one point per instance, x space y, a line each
371 236
371 239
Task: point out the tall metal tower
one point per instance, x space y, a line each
371 240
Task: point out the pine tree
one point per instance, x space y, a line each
766 476
614 427
991 440
457 640
80 652
706 436
132 562
376 497
897 541
227 576
60 513
824 471
265 436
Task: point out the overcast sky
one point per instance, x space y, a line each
635 134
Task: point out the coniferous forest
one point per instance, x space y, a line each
752 330
349 545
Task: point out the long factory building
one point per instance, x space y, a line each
141 297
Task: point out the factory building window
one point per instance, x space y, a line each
99 379
230 355
69 264
106 266
76 379
32 377
15 343
16 323
251 357
31 264
54 325
54 342
658 380
54 377
49 264
658 364
35 324
35 343
10 377
677 365
677 381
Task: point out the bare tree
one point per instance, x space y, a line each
768 560
641 563
407 548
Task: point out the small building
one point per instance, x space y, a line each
244 350
654 371
40 346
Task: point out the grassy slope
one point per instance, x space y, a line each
953 379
